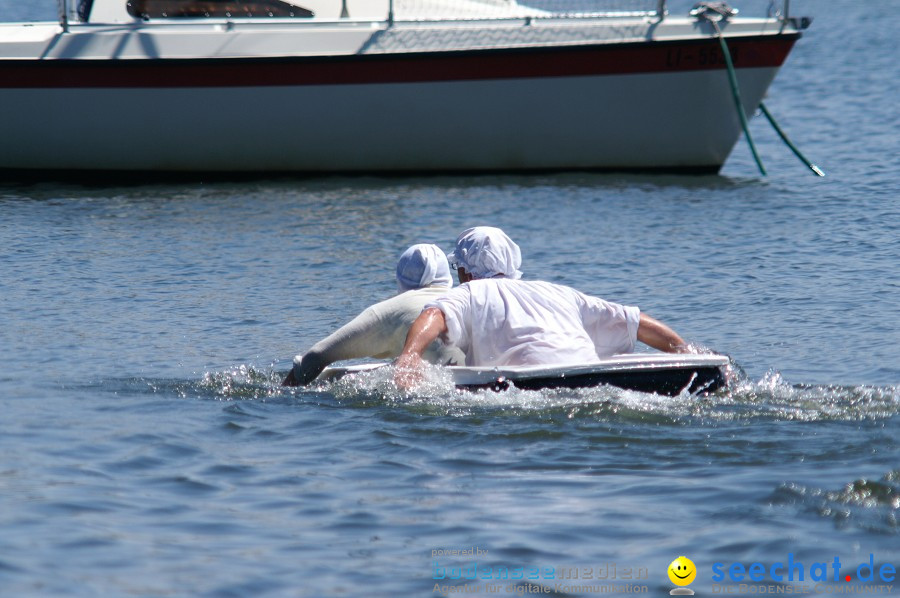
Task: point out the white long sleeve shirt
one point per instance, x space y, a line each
380 332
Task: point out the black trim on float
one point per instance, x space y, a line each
664 382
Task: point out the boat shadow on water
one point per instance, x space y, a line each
29 182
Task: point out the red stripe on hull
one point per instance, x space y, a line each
507 63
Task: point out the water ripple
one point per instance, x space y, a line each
871 505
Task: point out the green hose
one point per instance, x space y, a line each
787 141
736 94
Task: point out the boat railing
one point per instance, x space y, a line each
63 8
391 11
429 10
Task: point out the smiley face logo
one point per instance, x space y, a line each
682 571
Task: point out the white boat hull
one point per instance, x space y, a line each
622 106
137 129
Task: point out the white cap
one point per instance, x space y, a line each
423 266
486 252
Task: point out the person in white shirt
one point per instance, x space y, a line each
423 276
496 319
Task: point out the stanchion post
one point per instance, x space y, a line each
63 7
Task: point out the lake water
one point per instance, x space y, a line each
147 448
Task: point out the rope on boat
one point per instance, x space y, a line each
784 137
715 12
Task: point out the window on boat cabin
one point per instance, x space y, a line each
84 9
169 9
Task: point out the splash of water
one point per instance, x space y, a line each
770 398
242 382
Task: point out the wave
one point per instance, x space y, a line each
867 504
770 398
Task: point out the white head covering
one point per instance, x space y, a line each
422 266
486 252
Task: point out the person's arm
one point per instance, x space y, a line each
424 330
654 333
304 372
363 336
